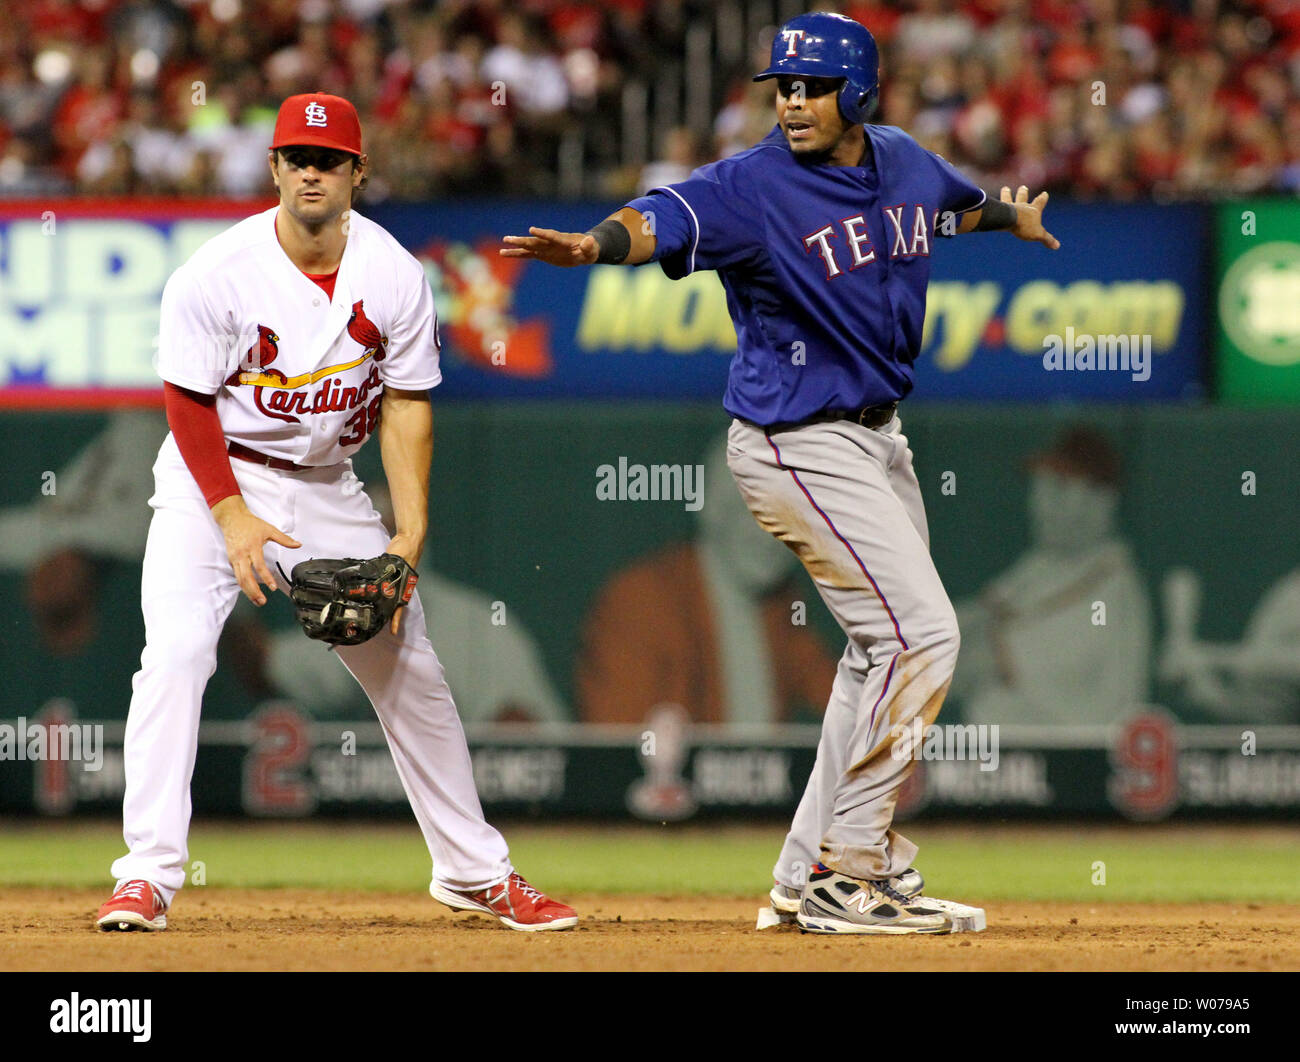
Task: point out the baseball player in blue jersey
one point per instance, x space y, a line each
822 235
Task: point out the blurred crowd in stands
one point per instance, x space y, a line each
1106 99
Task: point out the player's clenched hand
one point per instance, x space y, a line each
246 535
408 547
555 248
1029 217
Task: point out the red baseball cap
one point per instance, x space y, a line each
319 119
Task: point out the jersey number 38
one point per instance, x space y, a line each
362 423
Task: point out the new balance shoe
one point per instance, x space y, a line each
964 918
786 898
516 903
909 883
134 905
835 903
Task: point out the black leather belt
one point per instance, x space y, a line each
245 453
867 416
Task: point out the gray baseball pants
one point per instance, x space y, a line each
846 500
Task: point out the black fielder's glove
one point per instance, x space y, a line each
348 601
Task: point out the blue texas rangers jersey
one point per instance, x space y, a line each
825 267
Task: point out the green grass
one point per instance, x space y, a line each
1142 864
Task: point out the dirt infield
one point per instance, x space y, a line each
299 929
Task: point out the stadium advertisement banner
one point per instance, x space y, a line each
1258 301
1101 560
1118 313
279 763
80 284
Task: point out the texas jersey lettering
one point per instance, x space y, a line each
853 241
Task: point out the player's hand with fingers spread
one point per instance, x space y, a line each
554 248
246 535
1029 217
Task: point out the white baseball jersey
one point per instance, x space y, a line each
298 375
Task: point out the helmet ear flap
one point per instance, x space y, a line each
857 106
869 103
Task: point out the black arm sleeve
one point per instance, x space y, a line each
614 241
995 215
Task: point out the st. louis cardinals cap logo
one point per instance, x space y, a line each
320 120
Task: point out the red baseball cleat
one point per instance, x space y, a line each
136 905
514 901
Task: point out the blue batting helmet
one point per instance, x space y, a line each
825 45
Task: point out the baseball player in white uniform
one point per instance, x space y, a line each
285 343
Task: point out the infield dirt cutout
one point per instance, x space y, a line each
316 929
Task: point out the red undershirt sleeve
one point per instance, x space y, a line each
193 420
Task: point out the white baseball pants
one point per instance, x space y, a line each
187 593
846 500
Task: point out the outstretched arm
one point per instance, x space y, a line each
1025 219
601 244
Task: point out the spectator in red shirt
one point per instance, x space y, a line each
90 108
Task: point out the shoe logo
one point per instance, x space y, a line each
862 901
500 900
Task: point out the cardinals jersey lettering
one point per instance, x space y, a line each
825 267
297 374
